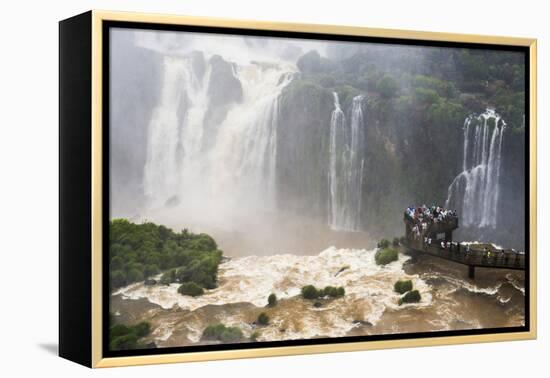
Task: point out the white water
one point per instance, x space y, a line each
235 168
346 166
251 279
475 191
245 152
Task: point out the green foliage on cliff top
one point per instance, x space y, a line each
387 86
138 251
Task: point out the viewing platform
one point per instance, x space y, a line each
436 239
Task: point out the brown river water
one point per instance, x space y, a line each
450 301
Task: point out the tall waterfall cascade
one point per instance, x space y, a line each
475 191
346 166
227 163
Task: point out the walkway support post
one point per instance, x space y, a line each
471 271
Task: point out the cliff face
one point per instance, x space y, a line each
361 133
135 89
302 145
414 127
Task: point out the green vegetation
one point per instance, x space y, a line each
412 296
122 337
254 336
386 255
311 292
416 100
272 300
402 286
387 86
168 277
263 319
395 242
223 333
384 243
138 251
190 288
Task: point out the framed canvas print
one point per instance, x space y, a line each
235 189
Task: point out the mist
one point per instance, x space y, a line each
242 137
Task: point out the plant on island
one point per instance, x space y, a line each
402 286
412 296
311 292
223 333
272 300
139 251
386 255
190 288
123 337
263 319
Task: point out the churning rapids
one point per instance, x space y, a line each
370 305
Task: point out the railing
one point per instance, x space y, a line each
448 224
491 258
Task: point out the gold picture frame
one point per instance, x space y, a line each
95 20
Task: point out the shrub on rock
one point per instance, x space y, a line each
402 286
190 288
386 255
412 296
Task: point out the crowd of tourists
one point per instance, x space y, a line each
423 217
421 220
426 214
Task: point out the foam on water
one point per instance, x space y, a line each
251 279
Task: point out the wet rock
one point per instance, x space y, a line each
150 282
341 270
151 345
362 322
224 88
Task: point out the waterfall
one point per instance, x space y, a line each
346 166
476 189
175 129
245 152
216 172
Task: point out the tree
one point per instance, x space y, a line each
123 337
191 289
263 319
139 251
220 332
310 292
410 297
402 287
384 243
118 279
254 336
272 300
387 86
386 256
395 242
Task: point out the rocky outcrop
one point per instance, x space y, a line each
302 142
224 89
